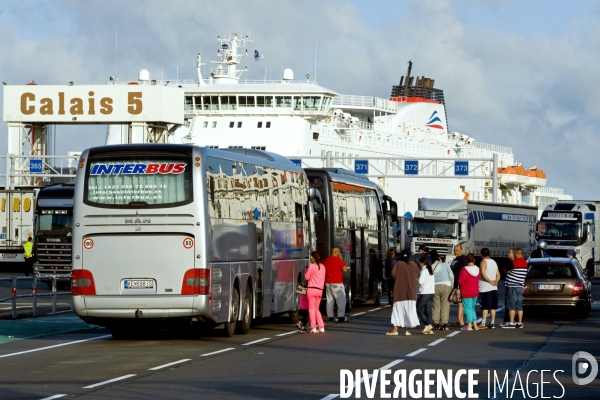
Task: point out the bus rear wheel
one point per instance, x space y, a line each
234 307
243 325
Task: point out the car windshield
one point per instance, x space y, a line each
434 229
551 270
54 225
564 230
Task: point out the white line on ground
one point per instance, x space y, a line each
453 334
414 353
436 342
108 381
169 364
375 309
287 333
390 365
56 396
256 341
56 345
334 395
216 352
360 313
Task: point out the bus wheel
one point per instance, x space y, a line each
234 308
243 326
349 301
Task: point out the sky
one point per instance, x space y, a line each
518 73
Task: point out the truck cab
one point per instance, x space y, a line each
53 232
571 225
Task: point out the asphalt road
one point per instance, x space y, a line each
274 361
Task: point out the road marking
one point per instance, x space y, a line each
56 345
334 395
375 309
108 381
414 353
360 313
390 365
287 333
436 342
256 341
453 334
169 364
217 352
56 396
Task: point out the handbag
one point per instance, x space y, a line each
301 288
455 296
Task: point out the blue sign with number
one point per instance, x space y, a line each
461 168
298 162
361 166
411 167
35 166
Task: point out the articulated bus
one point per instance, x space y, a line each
354 215
168 232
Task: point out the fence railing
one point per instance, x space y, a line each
34 295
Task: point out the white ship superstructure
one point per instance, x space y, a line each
301 119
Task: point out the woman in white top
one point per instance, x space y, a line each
425 299
488 288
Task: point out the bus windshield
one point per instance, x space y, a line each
433 229
54 225
560 229
139 181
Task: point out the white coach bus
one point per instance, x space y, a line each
182 233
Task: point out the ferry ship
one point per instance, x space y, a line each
305 121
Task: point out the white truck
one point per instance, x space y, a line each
16 223
441 224
571 225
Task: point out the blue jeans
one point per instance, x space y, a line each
515 298
424 306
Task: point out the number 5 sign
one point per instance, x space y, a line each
188 243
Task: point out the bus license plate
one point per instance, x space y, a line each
139 284
548 287
9 255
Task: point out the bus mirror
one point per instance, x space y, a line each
314 194
394 210
463 231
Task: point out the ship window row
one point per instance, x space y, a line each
223 103
233 124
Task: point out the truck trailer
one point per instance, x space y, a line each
571 225
441 224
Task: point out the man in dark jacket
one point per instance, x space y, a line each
459 262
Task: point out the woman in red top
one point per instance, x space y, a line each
468 282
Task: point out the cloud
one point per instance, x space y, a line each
534 92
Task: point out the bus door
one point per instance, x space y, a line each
359 278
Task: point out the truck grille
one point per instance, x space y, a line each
54 255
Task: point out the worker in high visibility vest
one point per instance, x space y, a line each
28 247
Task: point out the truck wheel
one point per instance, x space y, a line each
243 326
234 307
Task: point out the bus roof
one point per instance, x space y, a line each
345 176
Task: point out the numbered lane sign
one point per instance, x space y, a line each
461 168
35 166
88 243
361 166
411 167
296 161
188 243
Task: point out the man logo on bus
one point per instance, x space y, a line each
137 168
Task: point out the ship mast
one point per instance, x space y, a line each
226 70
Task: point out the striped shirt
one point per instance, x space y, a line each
516 276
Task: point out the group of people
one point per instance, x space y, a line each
326 275
421 288
424 286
